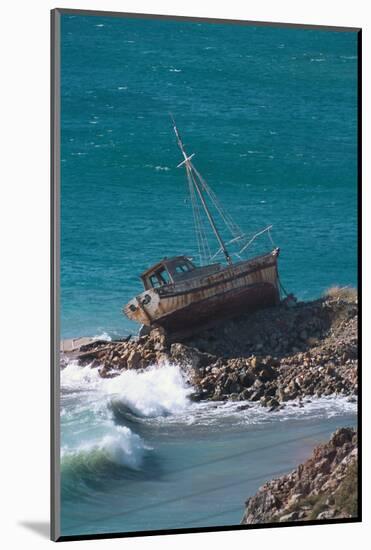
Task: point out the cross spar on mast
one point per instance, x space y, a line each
187 162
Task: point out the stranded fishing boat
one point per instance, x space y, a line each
180 296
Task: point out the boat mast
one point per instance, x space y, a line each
188 164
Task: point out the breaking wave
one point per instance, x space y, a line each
157 391
92 465
163 395
121 447
100 418
98 444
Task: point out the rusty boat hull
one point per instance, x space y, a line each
200 300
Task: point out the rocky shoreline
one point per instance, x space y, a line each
271 356
324 487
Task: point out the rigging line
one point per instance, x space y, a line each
212 221
199 227
254 237
282 287
231 226
209 217
194 212
195 220
204 227
188 164
271 239
213 196
203 237
228 220
243 236
216 254
230 242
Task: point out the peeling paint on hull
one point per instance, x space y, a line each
232 291
228 304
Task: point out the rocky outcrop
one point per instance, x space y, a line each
272 356
113 357
328 324
324 487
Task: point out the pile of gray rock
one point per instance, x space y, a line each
272 356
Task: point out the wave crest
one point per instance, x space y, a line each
157 391
122 447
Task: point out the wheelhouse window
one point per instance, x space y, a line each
159 278
182 268
171 270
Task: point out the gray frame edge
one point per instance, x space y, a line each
55 490
185 18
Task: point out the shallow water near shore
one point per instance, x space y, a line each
138 454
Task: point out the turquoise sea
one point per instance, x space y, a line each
271 115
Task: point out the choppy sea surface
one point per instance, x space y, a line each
271 116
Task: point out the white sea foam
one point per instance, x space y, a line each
120 446
162 394
77 378
102 336
246 413
157 391
91 406
159 396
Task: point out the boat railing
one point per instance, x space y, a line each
201 273
245 246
